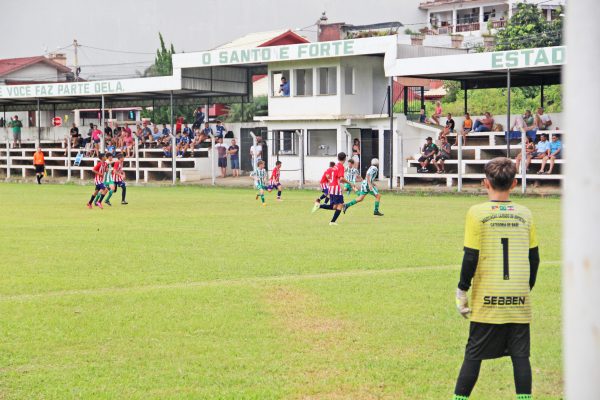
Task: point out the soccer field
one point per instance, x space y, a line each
191 292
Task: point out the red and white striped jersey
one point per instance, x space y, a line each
275 176
100 170
117 171
334 185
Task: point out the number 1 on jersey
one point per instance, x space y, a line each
504 242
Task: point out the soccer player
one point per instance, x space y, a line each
501 260
351 174
336 196
368 187
274 181
118 177
99 170
260 181
109 183
325 179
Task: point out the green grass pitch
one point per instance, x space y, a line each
200 293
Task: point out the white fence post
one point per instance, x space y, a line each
523 162
8 157
68 159
173 157
301 150
460 163
252 151
137 158
212 159
401 161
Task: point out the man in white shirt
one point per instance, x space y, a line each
542 150
256 152
543 120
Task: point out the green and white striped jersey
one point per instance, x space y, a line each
371 175
351 175
261 175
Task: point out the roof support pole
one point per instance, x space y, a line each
542 95
507 113
391 114
580 214
103 141
39 122
466 97
173 142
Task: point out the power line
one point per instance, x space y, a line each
116 51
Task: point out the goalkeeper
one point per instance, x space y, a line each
500 261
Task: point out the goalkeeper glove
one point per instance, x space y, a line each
462 303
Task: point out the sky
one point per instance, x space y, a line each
127 30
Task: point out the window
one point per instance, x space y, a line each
328 80
285 142
349 80
322 142
280 83
303 80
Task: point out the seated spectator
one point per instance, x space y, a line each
220 129
75 137
110 147
128 143
166 131
529 120
222 156
427 154
438 113
108 131
189 130
542 150
467 126
147 134
422 117
543 121
448 128
485 124
555 153
167 151
529 150
184 143
156 135
445 151
198 118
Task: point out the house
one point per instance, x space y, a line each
476 17
37 69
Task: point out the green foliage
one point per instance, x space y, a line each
452 88
162 114
246 112
529 28
141 302
163 62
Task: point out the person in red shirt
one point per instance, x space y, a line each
336 195
325 179
178 124
274 181
99 170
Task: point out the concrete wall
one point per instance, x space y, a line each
36 72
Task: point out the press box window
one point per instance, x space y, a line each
285 142
303 80
322 142
277 85
349 80
328 80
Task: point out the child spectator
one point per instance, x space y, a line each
445 151
427 154
542 150
438 113
422 117
529 149
467 126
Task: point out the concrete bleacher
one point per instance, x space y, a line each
479 149
149 165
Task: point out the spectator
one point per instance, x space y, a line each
222 156
485 124
184 143
521 123
166 131
165 135
108 132
110 147
543 121
178 123
75 137
146 134
284 87
16 126
96 138
467 126
156 135
445 151
40 165
220 129
554 154
528 118
128 143
448 128
438 113
529 150
356 152
234 155
422 117
198 118
542 150
256 152
189 130
427 154
167 151
206 132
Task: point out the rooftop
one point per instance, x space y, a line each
9 65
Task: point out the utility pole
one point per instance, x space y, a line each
76 61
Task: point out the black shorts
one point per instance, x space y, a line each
425 158
39 168
442 157
487 341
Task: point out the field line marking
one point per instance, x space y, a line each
233 282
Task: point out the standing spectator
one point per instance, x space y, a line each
542 150
284 87
178 123
437 113
554 154
356 152
443 155
40 165
485 124
234 155
467 126
220 129
427 154
543 120
16 126
256 152
96 138
75 137
529 150
222 156
198 118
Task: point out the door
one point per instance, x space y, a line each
246 143
387 143
369 148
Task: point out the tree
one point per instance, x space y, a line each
452 88
528 28
163 62
247 111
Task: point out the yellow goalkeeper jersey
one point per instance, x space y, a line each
503 232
